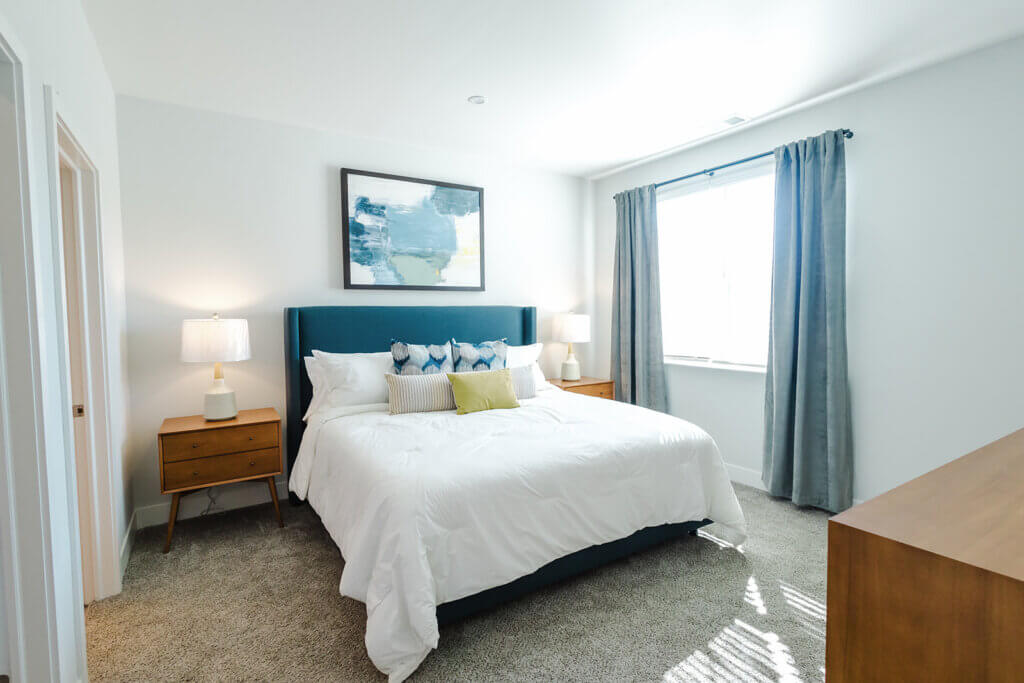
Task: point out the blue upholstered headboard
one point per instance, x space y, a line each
364 329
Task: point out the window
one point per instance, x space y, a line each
715 242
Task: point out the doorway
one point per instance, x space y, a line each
80 301
70 192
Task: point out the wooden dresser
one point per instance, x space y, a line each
926 582
196 454
590 386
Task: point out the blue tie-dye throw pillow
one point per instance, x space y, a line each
488 355
421 359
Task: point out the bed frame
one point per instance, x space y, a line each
364 329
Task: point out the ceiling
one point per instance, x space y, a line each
575 86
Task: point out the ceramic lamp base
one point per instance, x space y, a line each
219 402
571 368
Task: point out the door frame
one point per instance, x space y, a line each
99 501
39 645
39 528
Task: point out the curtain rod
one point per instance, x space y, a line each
847 133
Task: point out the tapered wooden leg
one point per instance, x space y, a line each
273 497
170 522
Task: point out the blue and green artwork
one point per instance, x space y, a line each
405 233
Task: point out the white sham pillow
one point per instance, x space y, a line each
523 382
528 355
315 378
348 379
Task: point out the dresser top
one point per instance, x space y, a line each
970 510
195 423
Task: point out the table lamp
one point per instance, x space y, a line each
572 327
215 340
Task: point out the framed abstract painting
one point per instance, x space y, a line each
410 233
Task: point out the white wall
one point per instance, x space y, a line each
729 405
53 40
935 246
243 217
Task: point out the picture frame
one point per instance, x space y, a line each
405 233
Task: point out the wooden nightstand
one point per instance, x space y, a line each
196 454
591 386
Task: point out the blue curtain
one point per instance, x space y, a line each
808 449
638 361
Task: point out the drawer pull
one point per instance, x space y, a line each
195 444
251 438
195 473
252 463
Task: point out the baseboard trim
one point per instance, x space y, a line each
229 497
128 542
745 475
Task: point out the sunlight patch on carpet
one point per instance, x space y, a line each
740 652
720 542
809 612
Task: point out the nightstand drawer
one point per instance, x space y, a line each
221 468
200 444
605 390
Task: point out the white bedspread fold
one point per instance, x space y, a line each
431 507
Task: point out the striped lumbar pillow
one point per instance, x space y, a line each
419 393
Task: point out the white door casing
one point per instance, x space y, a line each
27 519
39 524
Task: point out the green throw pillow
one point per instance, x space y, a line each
487 390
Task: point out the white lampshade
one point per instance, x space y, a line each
572 327
214 340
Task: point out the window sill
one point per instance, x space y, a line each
715 365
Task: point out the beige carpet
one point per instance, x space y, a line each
239 599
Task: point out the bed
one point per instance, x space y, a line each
439 516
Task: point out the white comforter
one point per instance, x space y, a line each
432 507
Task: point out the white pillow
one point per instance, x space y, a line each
523 382
315 378
348 379
519 356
